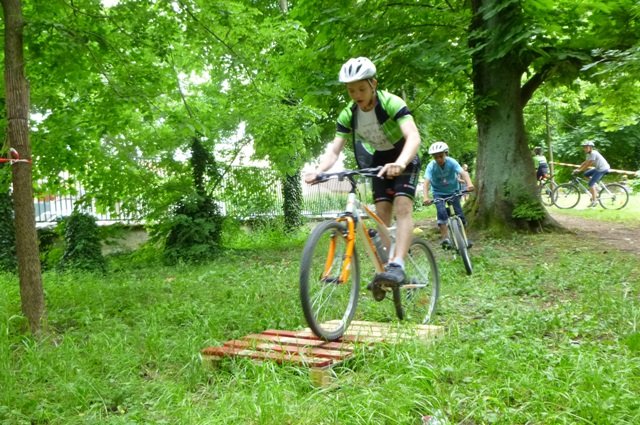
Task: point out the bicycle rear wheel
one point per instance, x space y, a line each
328 304
613 197
416 300
546 192
566 196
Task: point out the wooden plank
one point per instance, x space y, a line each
292 349
371 332
299 340
279 357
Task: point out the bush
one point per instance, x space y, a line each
193 232
50 246
82 247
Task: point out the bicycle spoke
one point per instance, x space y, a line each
416 301
613 196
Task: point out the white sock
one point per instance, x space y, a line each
399 261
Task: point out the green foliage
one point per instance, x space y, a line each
529 210
292 205
192 231
148 77
51 246
8 259
249 191
82 246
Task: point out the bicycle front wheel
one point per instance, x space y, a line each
566 196
461 243
416 300
327 302
613 196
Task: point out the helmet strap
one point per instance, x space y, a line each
372 102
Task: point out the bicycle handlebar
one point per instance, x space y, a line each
341 175
448 198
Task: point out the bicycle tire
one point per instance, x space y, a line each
545 192
616 198
566 196
417 299
461 244
328 305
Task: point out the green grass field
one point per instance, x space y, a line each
544 332
630 213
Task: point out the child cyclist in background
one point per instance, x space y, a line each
540 163
382 123
441 178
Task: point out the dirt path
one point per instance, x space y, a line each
618 235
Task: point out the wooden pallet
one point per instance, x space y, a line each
303 348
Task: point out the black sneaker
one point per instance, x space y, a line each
469 243
445 243
393 274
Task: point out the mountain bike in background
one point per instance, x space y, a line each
457 233
611 196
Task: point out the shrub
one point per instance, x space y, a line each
194 230
82 247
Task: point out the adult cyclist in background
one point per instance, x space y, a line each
440 177
601 167
379 124
540 163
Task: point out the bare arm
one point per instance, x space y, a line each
328 159
586 164
427 187
467 180
411 145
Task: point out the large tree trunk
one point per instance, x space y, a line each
17 95
505 177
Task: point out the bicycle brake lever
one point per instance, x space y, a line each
321 177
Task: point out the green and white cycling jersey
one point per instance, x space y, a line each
377 130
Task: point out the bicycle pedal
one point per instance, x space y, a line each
379 288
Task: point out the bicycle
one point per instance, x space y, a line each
610 196
457 232
546 186
330 267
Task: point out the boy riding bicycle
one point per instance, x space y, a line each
601 167
380 125
540 163
441 177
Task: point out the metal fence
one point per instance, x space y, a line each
234 199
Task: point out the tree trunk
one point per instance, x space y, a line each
17 95
505 176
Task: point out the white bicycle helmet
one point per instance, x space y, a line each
588 143
438 147
356 69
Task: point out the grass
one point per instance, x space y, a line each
545 332
630 213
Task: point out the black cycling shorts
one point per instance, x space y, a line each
403 185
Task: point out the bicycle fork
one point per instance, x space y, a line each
345 268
